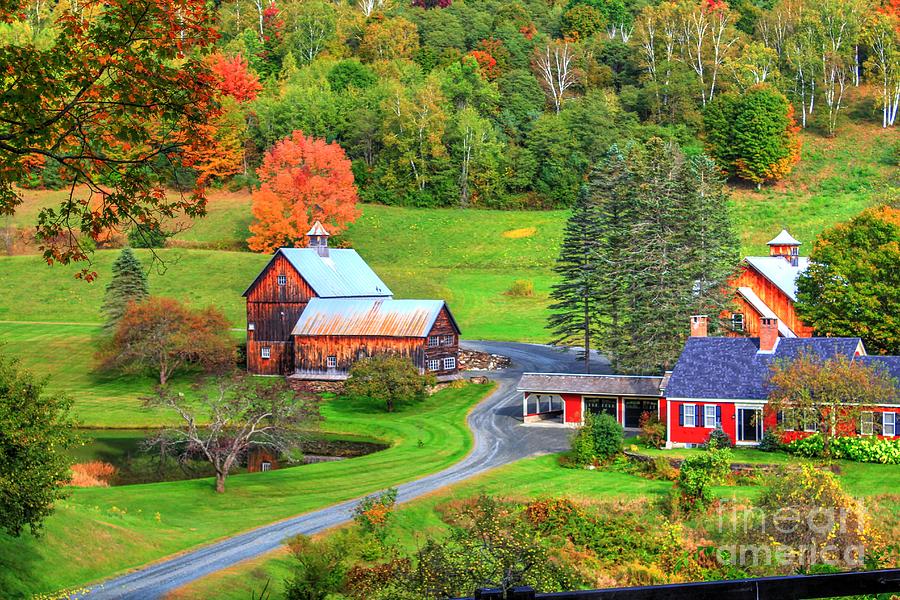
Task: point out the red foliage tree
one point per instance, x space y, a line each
487 64
114 101
162 336
234 77
303 180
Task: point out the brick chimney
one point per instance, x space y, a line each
768 334
699 325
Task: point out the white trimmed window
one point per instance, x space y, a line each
265 352
810 420
889 424
737 322
867 423
331 362
449 363
251 326
434 341
447 340
265 466
709 416
690 415
434 364
282 280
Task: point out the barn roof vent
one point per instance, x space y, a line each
318 238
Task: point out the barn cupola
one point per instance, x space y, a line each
786 246
318 238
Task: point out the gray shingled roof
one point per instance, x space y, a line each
733 368
889 364
368 317
604 385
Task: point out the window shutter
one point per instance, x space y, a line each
681 414
718 416
779 417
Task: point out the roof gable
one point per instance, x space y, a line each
370 317
604 385
341 274
779 271
734 369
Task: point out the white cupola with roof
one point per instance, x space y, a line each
786 246
318 238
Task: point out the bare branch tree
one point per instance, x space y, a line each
557 72
242 413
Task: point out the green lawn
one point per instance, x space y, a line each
97 532
530 478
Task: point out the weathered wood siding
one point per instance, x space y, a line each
774 298
443 326
272 312
311 352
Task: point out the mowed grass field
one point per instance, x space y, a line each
97 532
539 477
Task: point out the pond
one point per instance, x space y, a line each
125 450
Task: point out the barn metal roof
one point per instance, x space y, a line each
783 239
780 271
317 229
369 317
603 385
341 274
764 311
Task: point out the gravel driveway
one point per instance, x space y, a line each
499 439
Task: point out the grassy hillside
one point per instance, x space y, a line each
97 532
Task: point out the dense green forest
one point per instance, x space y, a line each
491 103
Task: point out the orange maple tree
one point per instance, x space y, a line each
303 179
234 77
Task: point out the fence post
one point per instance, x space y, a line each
522 592
489 594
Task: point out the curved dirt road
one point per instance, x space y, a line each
499 439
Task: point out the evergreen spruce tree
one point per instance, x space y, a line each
128 284
573 312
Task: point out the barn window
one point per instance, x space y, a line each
251 326
449 363
737 322
434 364
889 424
265 466
867 423
282 280
265 352
447 340
331 362
434 341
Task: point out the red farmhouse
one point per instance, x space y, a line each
718 382
312 312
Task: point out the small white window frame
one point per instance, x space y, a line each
331 362
888 424
449 363
446 340
810 420
265 466
709 416
282 280
867 423
690 415
251 326
434 364
434 341
265 352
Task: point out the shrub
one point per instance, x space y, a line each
95 473
770 441
145 236
318 570
583 442
608 437
811 446
653 431
521 288
699 473
373 513
718 439
867 449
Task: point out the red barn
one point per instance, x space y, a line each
766 288
353 315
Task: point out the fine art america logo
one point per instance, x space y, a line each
794 537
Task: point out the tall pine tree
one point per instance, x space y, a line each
128 284
572 319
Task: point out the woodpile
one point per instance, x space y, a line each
306 386
472 360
